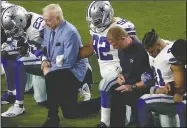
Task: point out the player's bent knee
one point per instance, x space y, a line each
145 96
141 103
106 85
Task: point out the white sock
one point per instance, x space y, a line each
19 102
13 92
105 116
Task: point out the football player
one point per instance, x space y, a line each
100 17
4 42
178 50
169 76
23 28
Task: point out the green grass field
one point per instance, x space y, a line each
168 18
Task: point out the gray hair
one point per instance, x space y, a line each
55 9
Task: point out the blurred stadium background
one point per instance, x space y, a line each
168 18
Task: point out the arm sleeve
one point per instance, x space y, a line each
71 49
146 66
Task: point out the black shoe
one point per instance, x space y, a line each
101 125
51 123
8 98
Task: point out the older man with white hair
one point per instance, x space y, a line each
63 71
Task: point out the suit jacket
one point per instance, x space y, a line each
64 51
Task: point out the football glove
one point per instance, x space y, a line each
22 46
147 79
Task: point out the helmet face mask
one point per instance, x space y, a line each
99 15
14 20
15 32
97 23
